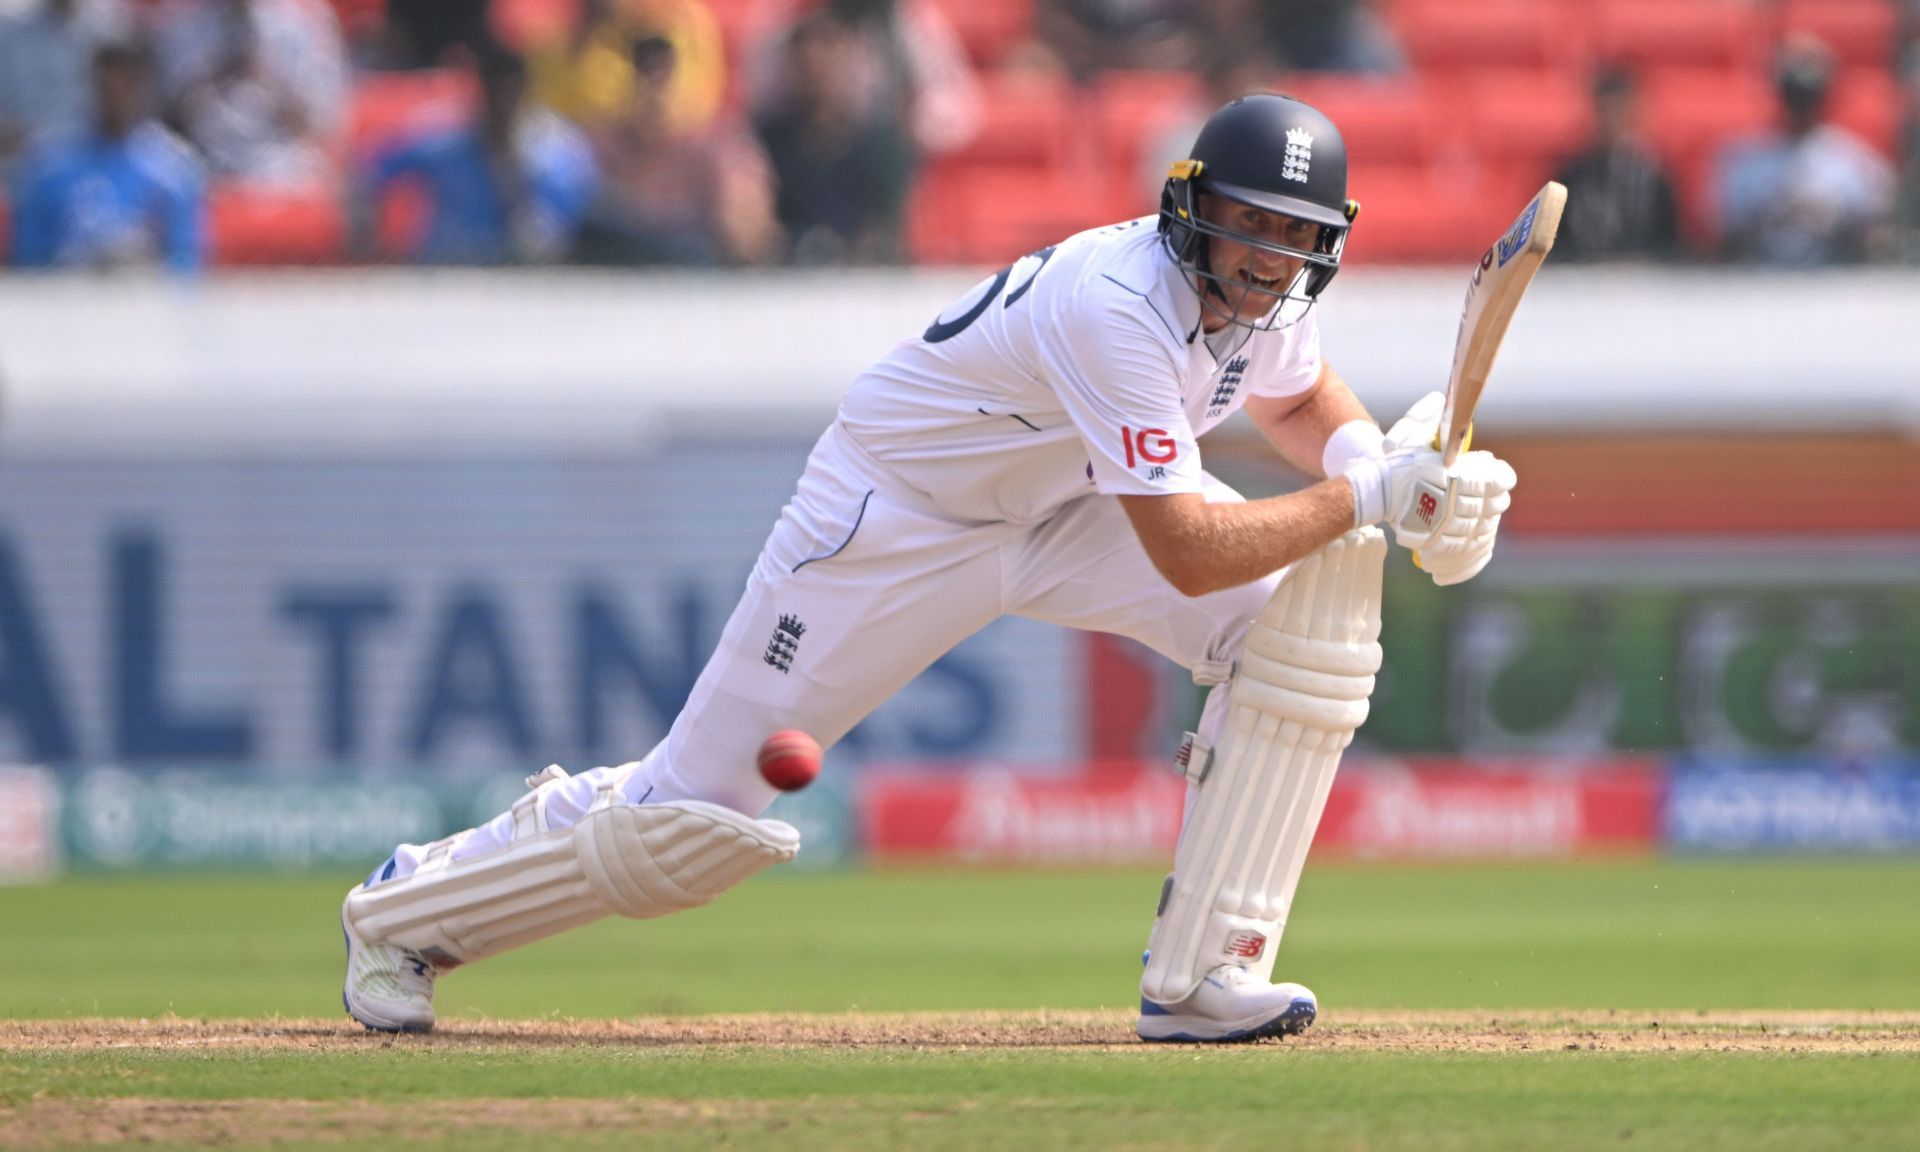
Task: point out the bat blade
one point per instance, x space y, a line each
1492 295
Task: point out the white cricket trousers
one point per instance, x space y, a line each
865 582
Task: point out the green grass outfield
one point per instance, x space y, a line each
1650 940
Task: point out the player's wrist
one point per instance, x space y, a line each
1367 479
1353 441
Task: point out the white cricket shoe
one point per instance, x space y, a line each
388 988
1230 1004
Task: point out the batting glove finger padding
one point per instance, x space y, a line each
1451 568
1420 427
1481 485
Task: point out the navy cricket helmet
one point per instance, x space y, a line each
1274 153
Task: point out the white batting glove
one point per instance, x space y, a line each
1407 489
1420 427
1482 487
1448 568
1432 508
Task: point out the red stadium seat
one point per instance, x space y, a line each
1688 113
1384 121
1862 33
1414 214
1866 102
1135 104
1691 117
1667 33
1023 123
741 23
388 105
255 226
987 28
521 24
1527 119
933 217
1456 35
988 216
360 19
1696 190
1009 214
1136 111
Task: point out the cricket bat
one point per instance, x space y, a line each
1492 295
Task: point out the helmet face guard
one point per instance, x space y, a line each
1188 234
1281 156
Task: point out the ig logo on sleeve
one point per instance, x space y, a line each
1152 445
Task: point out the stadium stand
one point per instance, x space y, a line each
1860 32
1525 120
1671 33
272 226
1499 94
387 105
987 28
1499 91
1444 37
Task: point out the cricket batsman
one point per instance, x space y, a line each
1034 451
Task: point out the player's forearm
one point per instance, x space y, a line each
1211 547
1300 436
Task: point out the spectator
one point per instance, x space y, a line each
843 173
589 77
905 64
259 87
671 194
1296 35
1813 193
1083 38
1333 36
1216 29
510 188
432 33
45 52
121 192
1620 204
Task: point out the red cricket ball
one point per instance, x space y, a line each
790 759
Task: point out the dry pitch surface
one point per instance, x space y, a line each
46 1121
1773 1032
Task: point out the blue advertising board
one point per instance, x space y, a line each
388 615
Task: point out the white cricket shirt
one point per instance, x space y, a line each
1069 372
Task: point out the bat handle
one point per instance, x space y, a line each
1439 445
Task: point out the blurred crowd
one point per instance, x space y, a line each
755 132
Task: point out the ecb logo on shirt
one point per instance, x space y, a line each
1229 383
1150 444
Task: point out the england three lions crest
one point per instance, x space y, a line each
1299 156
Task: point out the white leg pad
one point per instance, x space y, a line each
619 859
1298 693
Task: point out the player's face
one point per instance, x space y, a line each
1255 275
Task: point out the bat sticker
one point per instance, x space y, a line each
1516 239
